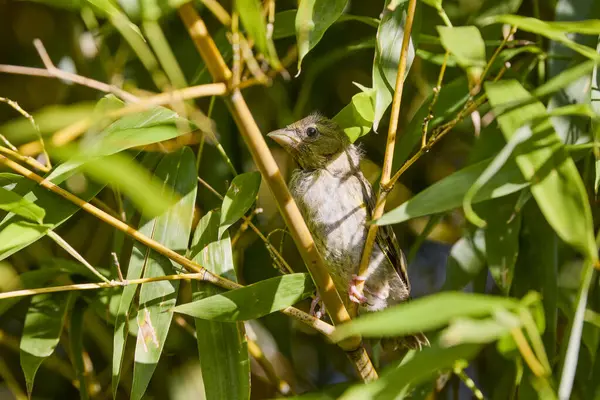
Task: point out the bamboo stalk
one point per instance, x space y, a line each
273 177
386 170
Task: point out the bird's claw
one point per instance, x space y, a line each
356 296
320 312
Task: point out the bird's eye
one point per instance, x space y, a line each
312 132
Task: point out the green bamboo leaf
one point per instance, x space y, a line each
572 129
556 31
466 261
76 346
12 202
41 332
251 15
486 330
468 48
16 234
537 269
176 170
314 17
570 362
285 22
252 301
133 261
418 367
437 4
427 313
239 198
502 238
556 184
123 173
595 103
222 346
356 119
387 55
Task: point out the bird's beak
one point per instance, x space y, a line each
285 138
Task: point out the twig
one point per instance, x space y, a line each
218 11
301 316
282 386
272 175
24 113
389 150
69 249
32 162
245 225
536 367
436 95
71 77
460 372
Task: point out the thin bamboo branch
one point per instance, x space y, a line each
272 175
69 249
282 386
320 326
536 367
389 148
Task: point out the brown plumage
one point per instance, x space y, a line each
336 200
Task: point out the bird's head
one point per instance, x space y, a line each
313 141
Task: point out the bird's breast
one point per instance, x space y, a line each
335 210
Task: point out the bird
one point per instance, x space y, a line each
336 201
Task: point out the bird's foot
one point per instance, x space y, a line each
356 296
317 307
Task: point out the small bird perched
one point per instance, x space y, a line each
336 200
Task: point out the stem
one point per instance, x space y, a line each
282 386
527 353
389 150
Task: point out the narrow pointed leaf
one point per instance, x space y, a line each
239 198
313 18
427 313
395 380
556 183
252 301
387 56
356 119
176 170
12 202
252 17
466 45
41 332
76 341
222 346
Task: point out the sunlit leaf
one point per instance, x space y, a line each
176 170
314 17
356 119
222 346
387 55
42 330
251 15
466 45
27 280
285 22
570 128
556 184
12 202
394 381
556 31
239 198
252 301
466 261
423 314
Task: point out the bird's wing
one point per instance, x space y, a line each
386 238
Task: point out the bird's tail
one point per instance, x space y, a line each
416 341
